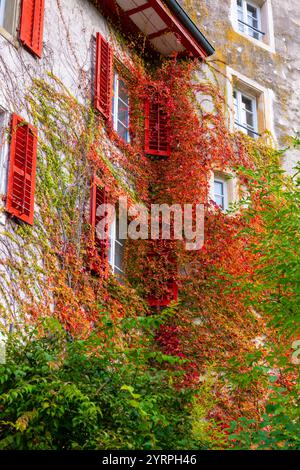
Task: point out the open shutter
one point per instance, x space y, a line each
103 77
157 129
99 196
32 25
22 168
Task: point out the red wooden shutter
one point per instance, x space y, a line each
98 196
32 25
22 168
103 77
157 129
165 300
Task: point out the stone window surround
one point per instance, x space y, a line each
232 185
266 23
264 98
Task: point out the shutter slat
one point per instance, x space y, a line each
22 168
32 25
103 77
99 196
157 129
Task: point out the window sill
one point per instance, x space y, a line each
256 42
2 216
9 37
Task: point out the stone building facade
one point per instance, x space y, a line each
258 64
257 46
78 42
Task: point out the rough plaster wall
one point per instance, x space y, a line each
68 52
279 71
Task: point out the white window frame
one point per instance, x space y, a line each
112 249
2 12
240 125
115 107
246 27
4 155
267 41
224 182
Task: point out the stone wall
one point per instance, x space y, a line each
278 70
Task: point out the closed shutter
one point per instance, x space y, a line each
99 196
32 25
157 129
22 169
103 77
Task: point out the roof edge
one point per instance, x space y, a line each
177 10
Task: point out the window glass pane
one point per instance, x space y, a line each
235 104
250 120
113 106
123 131
120 240
251 134
119 253
123 113
120 108
240 15
2 10
219 188
252 11
252 20
123 91
247 102
114 94
220 201
119 250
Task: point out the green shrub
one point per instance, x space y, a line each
59 394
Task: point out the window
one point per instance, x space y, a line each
250 106
249 19
3 159
120 108
245 113
116 250
2 12
221 193
224 188
9 12
254 19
